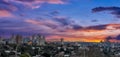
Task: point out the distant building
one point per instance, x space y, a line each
107 43
42 40
15 39
2 41
62 41
12 39
38 39
18 39
26 40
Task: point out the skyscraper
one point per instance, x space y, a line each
18 39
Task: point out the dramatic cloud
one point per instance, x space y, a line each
71 30
55 20
114 10
55 29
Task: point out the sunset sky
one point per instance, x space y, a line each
73 20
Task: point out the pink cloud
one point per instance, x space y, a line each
55 2
33 22
35 3
5 13
42 22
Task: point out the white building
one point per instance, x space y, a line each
12 39
38 39
2 41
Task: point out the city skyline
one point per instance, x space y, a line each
73 20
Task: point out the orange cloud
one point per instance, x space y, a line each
90 35
33 22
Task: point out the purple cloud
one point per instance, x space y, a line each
118 37
113 38
114 10
97 27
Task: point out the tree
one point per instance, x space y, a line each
25 55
